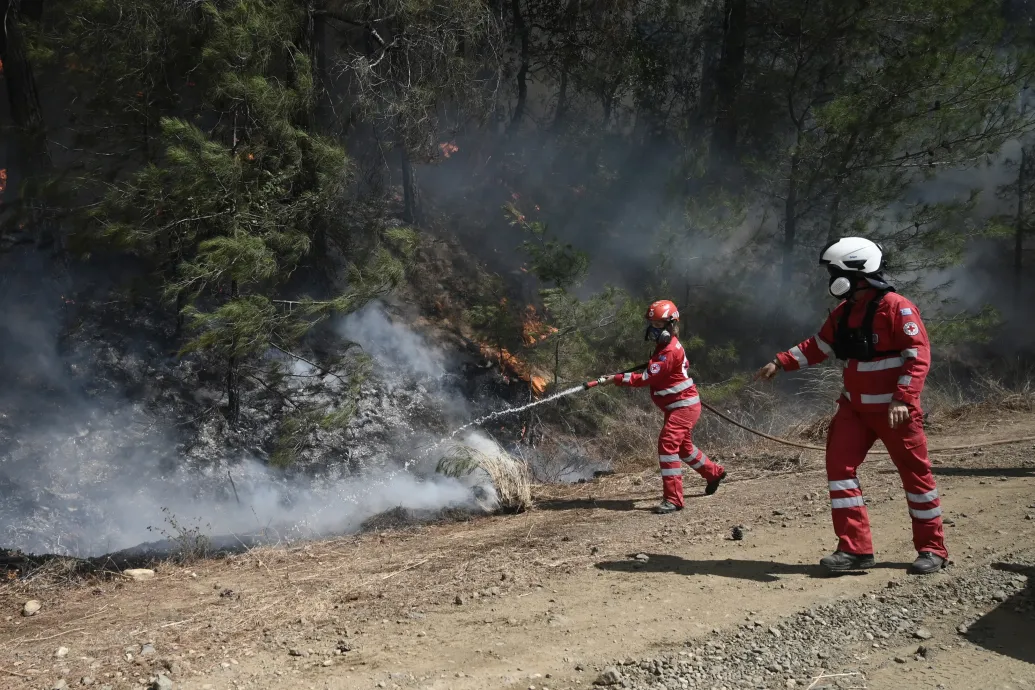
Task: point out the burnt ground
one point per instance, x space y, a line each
554 597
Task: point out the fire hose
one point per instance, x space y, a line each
807 446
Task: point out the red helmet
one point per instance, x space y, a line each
663 310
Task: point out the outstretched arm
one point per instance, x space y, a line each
805 354
657 366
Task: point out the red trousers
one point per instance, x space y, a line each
852 433
675 447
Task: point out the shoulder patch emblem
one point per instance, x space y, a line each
662 358
655 367
910 329
906 312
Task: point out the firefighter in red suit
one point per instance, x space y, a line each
879 336
674 392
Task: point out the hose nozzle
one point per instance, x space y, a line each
594 383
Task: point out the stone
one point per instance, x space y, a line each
61 653
147 649
610 676
138 574
900 660
642 557
459 601
298 652
922 634
162 683
86 680
31 608
1000 596
59 685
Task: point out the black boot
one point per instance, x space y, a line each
841 561
927 563
713 485
667 507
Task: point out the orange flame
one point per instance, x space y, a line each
533 330
1 68
3 181
509 362
448 148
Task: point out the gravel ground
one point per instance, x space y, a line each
832 639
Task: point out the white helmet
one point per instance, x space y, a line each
849 258
854 255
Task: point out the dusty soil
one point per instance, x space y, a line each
549 598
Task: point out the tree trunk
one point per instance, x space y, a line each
522 76
727 80
28 156
835 216
1018 237
790 222
412 211
572 16
233 382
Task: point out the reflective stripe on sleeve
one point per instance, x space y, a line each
823 346
799 356
626 378
905 380
910 353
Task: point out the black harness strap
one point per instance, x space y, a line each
857 343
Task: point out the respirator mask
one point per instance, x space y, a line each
658 335
841 282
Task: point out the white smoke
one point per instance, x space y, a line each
103 473
392 342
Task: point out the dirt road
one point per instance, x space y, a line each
550 598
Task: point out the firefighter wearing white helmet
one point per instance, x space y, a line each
879 336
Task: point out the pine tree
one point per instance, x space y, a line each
227 212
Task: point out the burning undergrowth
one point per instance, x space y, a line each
111 444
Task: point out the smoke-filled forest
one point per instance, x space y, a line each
258 256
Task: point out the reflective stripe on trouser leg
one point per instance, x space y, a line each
672 435
908 450
848 441
701 463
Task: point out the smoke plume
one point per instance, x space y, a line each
90 464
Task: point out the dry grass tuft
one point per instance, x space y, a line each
509 476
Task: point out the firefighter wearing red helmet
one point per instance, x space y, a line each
879 336
673 391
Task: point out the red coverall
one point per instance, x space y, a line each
862 418
674 392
